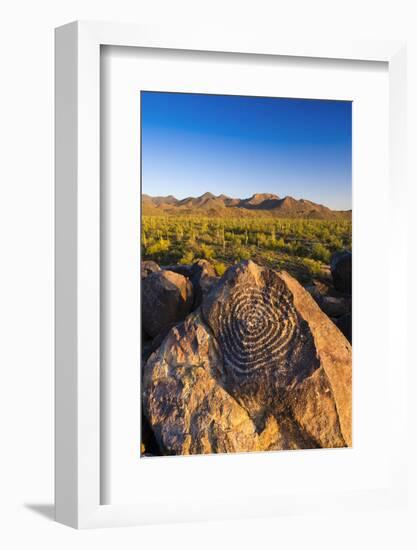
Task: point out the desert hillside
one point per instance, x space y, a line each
265 204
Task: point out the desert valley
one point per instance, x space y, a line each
246 324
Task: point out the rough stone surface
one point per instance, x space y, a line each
334 307
260 367
341 268
191 413
188 411
149 346
182 269
167 298
148 267
203 277
203 267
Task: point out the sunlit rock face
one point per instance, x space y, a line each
257 367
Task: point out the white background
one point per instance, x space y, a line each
26 273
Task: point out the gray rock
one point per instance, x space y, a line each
167 298
341 268
147 267
334 307
203 277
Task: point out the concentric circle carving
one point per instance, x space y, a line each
257 328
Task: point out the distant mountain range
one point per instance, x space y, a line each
259 204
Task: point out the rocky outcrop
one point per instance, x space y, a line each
147 267
341 269
322 402
258 367
201 274
203 277
190 413
182 269
336 305
203 268
167 298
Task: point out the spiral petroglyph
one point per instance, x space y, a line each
257 366
257 327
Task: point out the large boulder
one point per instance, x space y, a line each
190 413
341 269
189 410
167 298
259 367
147 267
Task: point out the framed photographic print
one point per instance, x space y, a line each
236 356
221 206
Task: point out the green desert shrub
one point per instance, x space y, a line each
320 252
269 257
158 248
242 254
280 244
187 258
313 267
291 248
206 252
220 268
182 239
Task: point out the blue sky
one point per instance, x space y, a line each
236 145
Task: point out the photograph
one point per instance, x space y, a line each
190 355
246 273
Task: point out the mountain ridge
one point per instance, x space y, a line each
265 204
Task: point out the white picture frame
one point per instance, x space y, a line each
78 406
